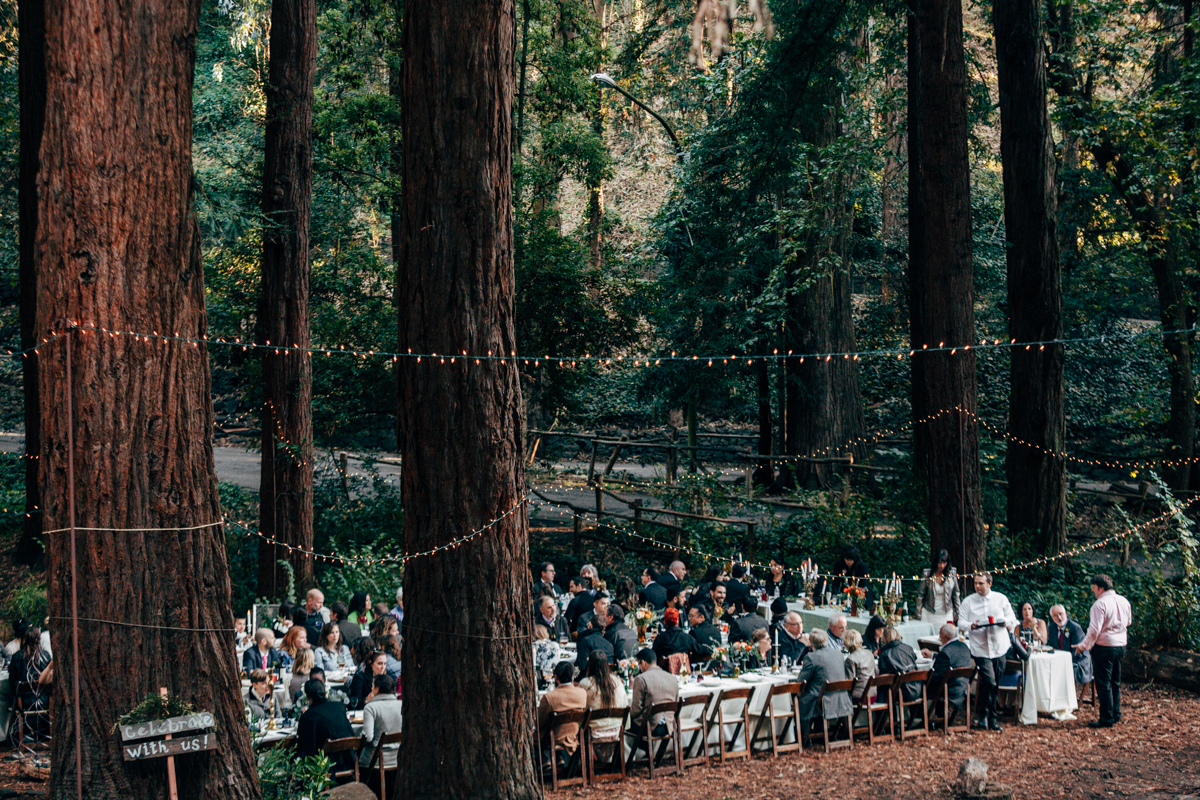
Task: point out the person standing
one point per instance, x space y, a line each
937 602
988 617
1106 638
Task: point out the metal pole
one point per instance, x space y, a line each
74 575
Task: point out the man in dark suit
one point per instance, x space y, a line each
263 654
744 622
791 643
704 631
652 593
581 601
1063 634
953 655
599 606
619 635
822 665
592 639
546 614
673 577
324 721
735 588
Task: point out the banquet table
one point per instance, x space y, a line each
289 731
910 632
1049 687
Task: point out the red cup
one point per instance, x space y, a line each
991 620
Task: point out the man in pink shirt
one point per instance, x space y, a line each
1106 638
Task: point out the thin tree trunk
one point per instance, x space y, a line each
1037 494
461 420
286 493
941 284
32 82
116 245
764 473
595 226
396 153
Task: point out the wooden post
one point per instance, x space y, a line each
599 501
749 480
750 541
344 468
612 460
577 535
672 461
172 789
533 450
592 463
846 482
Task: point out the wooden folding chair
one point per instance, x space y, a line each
740 720
882 703
1083 690
697 726
557 720
832 687
589 742
22 715
920 676
646 738
676 662
948 710
789 693
334 746
387 738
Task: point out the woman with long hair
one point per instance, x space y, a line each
390 645
937 602
873 636
360 609
300 672
30 691
332 653
362 685
604 690
1030 625
295 641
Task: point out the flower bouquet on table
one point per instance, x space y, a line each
855 593
720 655
645 617
740 652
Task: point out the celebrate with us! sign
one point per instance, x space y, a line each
172 745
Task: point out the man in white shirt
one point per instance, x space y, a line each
1106 637
987 616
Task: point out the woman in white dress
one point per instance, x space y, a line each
937 602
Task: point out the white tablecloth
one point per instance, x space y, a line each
1049 687
910 632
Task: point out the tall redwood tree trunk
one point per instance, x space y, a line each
286 489
941 283
461 420
1037 493
116 245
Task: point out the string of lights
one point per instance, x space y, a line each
636 360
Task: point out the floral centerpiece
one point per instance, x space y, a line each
855 593
740 651
720 654
644 617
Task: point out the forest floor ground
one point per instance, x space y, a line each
1154 754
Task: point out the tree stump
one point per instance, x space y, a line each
350 791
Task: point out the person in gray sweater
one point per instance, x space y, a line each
381 715
822 665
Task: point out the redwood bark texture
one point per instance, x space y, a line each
116 245
1037 493
468 671
286 494
941 283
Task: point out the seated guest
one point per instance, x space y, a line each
779 608
761 651
673 640
793 644
295 641
545 585
604 690
1063 634
283 619
397 610
565 696
953 655
860 664
363 682
19 625
704 631
897 658
720 602
736 588
650 687
846 569
332 653
780 582
381 715
626 594
546 614
545 649
822 665
712 576
241 639
390 645
362 649
384 625
619 635
1029 625
300 673
837 629
744 621
592 640
674 598
653 593
263 654
323 721
258 700
360 609
581 601
339 613
592 575
381 610
599 606
873 636
29 672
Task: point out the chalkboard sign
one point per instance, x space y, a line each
192 723
170 747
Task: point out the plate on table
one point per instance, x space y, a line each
751 677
